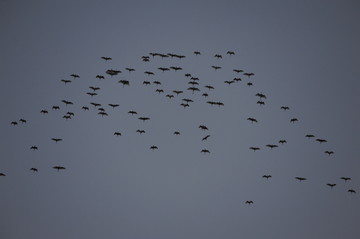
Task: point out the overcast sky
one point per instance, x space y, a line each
305 55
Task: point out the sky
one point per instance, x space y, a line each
304 54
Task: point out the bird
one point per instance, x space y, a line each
157 82
271 146
106 58
351 191
117 133
205 151
177 92
146 83
75 76
144 118
153 147
56 139
44 112
252 120
176 133
14 123
2 174
218 56
58 168
300 178
34 170
103 114
130 69
124 82
238 71
23 121
284 108
91 93
203 127
205 138
345 179
66 102
209 87
94 88
197 53
205 94
267 176
112 72
169 96
140 131
260 102
34 147
229 82
254 148
230 53
331 185
85 108
159 91
56 107
293 120
321 140
163 69
237 79
282 141
184 105
149 73
249 202
216 67
309 136
114 105
100 77
66 81
132 112
260 95
329 152
249 74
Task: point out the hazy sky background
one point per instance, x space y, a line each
305 54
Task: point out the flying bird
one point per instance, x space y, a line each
249 74
58 168
34 147
205 151
345 179
300 179
331 185
56 139
230 53
66 81
293 120
329 152
254 148
2 174
34 170
205 138
177 92
351 191
309 136
249 202
271 146
44 112
132 112
284 108
267 176
153 147
117 133
56 107
203 127
321 140
252 120
144 118
114 105
140 131
238 71
75 76
85 108
106 58
282 141
23 121
197 53
216 67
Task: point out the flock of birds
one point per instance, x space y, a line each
194 86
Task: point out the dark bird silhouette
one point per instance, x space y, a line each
75 76
271 146
94 88
14 123
230 53
2 174
252 120
169 96
205 95
140 131
209 87
117 133
157 82
132 112
95 104
100 77
293 120
300 178
194 79
282 141
70 113
260 102
144 118
66 81
175 68
329 152
58 168
203 127
193 83
177 92
91 93
145 59
187 75
321 140
351 191
206 137
44 112
85 108
216 67
56 139
112 72
249 74
254 148
249 202
205 151
193 89
56 107
159 91
106 58
114 105
66 117
153 147
238 71
267 176
197 53
67 102
309 136
163 69
34 147
284 108
184 105
249 84
187 100
149 73
218 56
146 83
124 82
260 95
35 170
101 109
22 121
103 114
177 133
130 69
345 179
211 102
237 79
331 185
229 82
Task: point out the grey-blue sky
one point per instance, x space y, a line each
304 54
